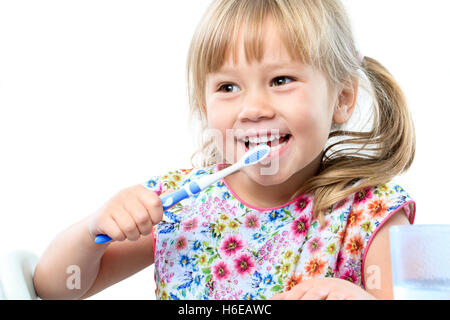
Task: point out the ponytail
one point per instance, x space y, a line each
317 33
391 143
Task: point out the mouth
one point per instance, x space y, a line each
274 144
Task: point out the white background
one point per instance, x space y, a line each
93 99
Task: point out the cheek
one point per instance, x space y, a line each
311 124
219 128
218 114
310 118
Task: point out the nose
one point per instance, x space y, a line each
256 105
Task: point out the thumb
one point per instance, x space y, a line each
165 193
158 213
161 196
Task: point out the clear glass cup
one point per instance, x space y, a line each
420 256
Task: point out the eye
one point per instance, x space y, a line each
228 88
279 81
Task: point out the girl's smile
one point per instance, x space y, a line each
279 101
279 146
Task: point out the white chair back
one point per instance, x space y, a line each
16 276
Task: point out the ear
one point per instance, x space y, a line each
346 102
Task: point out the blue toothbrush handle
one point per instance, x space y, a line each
168 201
183 193
102 238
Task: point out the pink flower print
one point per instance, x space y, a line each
301 204
339 261
340 204
181 243
221 271
350 275
315 244
190 225
252 222
231 245
362 195
300 227
244 264
158 190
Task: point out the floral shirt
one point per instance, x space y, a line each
215 246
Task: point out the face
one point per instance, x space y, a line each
277 95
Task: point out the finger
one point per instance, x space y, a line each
112 230
336 296
140 216
315 294
294 294
279 296
298 291
126 224
152 203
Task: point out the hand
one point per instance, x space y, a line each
129 214
325 289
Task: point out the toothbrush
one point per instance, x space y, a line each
251 157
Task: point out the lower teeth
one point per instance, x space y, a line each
277 147
273 148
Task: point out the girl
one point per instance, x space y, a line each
317 226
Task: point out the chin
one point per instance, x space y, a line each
267 176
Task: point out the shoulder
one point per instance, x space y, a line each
370 213
378 203
376 264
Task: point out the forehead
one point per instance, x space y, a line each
247 41
267 46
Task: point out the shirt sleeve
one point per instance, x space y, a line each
372 207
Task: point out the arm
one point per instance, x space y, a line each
100 265
120 261
378 283
129 215
377 266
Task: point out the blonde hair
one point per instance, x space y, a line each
317 33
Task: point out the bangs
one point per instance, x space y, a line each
245 20
303 27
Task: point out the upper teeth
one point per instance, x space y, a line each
262 139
